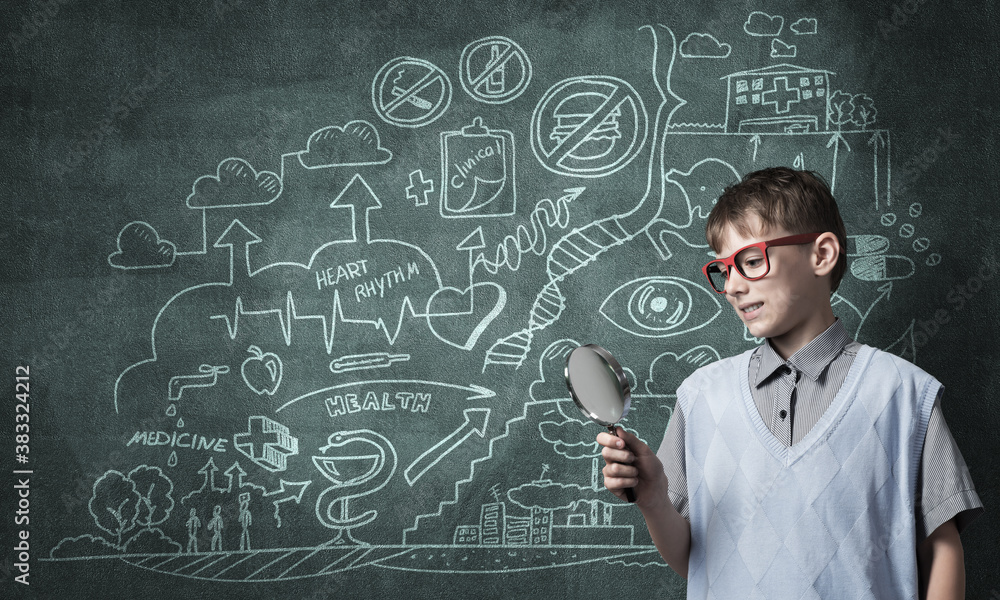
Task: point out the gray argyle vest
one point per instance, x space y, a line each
829 517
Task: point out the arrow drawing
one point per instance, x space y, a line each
472 242
755 140
477 392
835 141
234 236
289 490
876 141
208 485
475 422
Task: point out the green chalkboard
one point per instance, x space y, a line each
288 287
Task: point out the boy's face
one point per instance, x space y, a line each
789 305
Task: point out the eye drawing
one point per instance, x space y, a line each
660 306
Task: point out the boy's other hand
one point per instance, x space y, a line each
630 463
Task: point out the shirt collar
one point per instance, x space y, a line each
811 359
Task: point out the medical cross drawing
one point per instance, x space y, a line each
778 99
783 98
267 443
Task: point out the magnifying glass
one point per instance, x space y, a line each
599 388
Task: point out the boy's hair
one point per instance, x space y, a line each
796 201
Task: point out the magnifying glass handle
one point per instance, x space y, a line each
629 492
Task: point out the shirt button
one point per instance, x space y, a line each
783 414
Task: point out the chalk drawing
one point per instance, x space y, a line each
588 126
477 172
668 370
246 519
494 69
358 463
267 443
704 45
208 376
410 92
879 142
287 491
699 187
262 371
836 141
546 215
140 247
193 524
583 245
215 525
866 244
780 49
356 143
660 306
237 235
368 360
365 295
762 24
782 98
805 26
460 327
128 508
455 316
882 267
475 423
419 188
235 184
467 392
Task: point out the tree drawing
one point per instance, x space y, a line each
841 109
864 110
115 504
155 495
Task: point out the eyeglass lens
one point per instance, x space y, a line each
751 263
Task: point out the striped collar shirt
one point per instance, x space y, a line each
815 373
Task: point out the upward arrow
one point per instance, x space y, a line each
358 195
289 491
755 140
209 471
475 422
876 141
835 140
471 243
885 291
237 469
234 236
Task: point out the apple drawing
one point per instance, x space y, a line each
261 371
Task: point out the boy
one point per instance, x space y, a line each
811 466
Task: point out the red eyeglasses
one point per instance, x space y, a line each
751 261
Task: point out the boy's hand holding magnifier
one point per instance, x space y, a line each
602 393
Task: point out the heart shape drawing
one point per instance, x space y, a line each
459 317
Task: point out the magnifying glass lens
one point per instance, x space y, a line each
597 387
